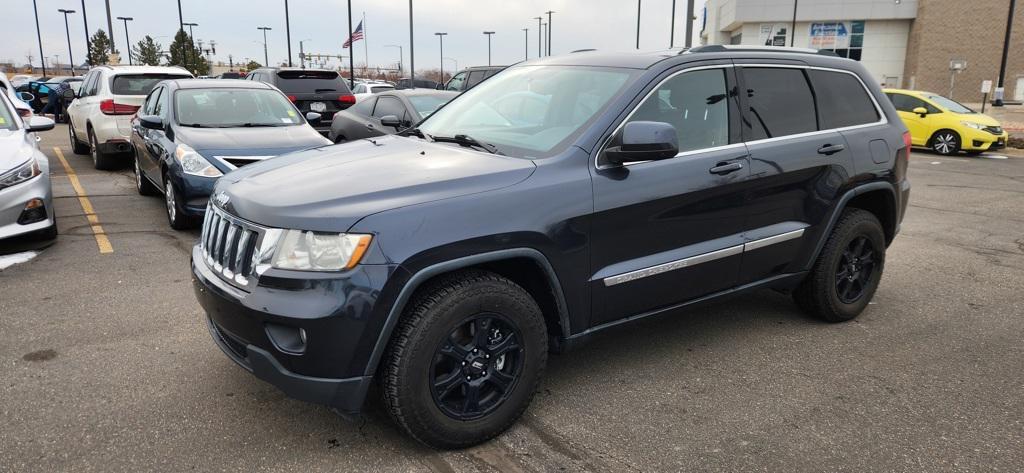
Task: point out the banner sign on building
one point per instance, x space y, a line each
834 35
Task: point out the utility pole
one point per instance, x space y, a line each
526 44
266 57
67 30
549 12
440 36
488 33
181 21
689 24
85 21
127 41
1000 90
792 27
39 37
672 29
288 33
191 47
543 29
638 24
352 50
412 55
539 20
110 27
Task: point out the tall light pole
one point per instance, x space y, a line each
351 57
1006 49
689 23
526 44
110 27
39 37
288 35
192 47
302 53
488 33
672 29
85 21
400 56
792 27
543 28
549 12
181 21
539 19
127 41
638 24
266 57
412 56
440 37
67 30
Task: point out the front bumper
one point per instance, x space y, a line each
980 140
193 191
14 199
338 312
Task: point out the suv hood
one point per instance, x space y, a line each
330 188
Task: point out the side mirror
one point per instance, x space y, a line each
37 123
313 117
644 141
69 94
921 111
390 120
152 122
26 96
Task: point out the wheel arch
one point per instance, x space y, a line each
521 265
878 197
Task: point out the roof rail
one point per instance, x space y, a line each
582 50
721 48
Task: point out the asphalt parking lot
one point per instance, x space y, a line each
106 363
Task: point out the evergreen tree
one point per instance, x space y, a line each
147 52
99 46
253 65
184 53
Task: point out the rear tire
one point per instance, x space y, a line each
945 142
847 272
465 360
76 146
100 160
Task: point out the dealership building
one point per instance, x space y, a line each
944 46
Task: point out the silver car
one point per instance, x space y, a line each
26 199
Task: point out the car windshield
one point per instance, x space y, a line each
6 117
426 104
530 111
139 84
229 108
949 104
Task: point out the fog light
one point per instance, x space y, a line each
35 211
287 339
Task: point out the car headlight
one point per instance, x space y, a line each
20 174
976 126
309 251
194 163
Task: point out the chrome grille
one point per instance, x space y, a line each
238 251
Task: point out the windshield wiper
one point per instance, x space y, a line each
252 125
416 132
468 141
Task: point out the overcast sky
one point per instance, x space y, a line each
601 24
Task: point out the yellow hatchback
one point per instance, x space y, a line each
944 125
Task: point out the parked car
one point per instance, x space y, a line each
101 114
26 198
447 259
190 132
471 76
17 99
406 83
230 75
386 113
366 89
946 126
20 79
311 90
40 89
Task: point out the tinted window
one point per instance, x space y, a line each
780 102
139 84
426 104
150 105
381 88
389 106
228 108
696 104
307 81
475 77
364 107
160 109
842 100
906 103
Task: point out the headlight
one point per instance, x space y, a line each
195 164
309 251
20 174
976 126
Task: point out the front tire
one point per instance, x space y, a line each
946 142
465 360
847 272
175 211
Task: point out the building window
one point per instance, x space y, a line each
845 38
773 34
736 39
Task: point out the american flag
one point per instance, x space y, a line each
356 36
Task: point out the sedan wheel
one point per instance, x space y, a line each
946 143
177 219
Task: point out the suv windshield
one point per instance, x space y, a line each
305 81
530 111
229 108
949 104
139 84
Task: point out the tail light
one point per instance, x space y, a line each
110 107
349 99
291 98
903 158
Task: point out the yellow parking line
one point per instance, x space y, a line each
97 230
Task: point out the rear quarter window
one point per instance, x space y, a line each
309 82
779 101
842 100
139 84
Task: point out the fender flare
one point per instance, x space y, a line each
421 276
841 205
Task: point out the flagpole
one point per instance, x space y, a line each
352 47
366 47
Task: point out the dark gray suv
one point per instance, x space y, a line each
562 197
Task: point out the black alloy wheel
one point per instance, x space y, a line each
855 270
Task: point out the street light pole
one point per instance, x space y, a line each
127 41
288 35
549 12
440 36
1006 49
110 26
181 21
526 44
192 46
689 24
488 33
302 53
266 57
672 29
543 28
39 37
85 21
67 30
792 26
539 52
638 24
412 55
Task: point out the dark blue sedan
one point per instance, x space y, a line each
190 132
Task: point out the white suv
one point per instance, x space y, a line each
102 111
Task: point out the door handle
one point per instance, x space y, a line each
828 150
726 168
369 125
